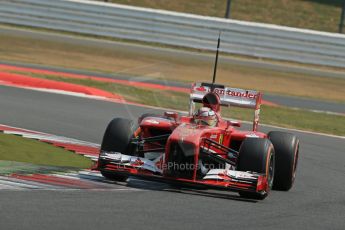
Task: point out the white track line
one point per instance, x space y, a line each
24 184
49 137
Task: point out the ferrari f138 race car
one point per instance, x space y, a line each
202 148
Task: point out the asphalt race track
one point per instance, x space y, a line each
317 200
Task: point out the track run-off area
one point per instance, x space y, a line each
16 62
316 201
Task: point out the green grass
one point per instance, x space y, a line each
19 149
304 120
280 116
321 15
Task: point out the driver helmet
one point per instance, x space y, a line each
205 116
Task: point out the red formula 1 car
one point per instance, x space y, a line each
202 148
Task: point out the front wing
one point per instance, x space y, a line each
225 179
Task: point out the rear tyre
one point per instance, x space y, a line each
257 155
117 138
286 146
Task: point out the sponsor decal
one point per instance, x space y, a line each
239 175
234 93
151 121
201 89
252 135
138 162
214 136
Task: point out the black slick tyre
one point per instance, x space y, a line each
257 155
286 147
117 138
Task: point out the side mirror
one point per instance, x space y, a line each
173 115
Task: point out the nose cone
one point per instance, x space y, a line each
191 133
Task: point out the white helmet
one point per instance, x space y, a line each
205 116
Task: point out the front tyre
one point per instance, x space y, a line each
117 138
286 146
257 155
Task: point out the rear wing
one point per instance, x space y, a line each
228 97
